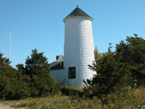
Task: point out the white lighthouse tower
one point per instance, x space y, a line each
78 47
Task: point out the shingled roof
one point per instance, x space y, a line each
56 65
78 12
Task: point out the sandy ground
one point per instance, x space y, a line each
8 104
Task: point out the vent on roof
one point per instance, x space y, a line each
57 57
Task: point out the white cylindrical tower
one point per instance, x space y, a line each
78 47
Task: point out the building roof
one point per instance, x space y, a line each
56 65
78 12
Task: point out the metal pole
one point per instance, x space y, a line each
9 44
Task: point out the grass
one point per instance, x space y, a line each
125 100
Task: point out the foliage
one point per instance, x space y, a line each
111 76
11 82
130 99
37 68
133 52
98 55
32 80
12 87
114 72
4 61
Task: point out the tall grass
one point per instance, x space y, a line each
129 99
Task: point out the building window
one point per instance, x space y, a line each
71 72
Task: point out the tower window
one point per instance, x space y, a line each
71 72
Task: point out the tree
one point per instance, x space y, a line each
117 71
33 80
20 66
4 60
11 81
133 52
99 55
37 68
112 75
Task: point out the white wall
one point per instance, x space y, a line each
79 48
60 75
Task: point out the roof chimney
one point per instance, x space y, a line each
57 57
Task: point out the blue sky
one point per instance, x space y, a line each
39 24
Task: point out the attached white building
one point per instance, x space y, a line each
78 50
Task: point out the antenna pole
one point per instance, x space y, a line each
9 44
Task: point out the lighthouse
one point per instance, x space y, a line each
78 46
78 51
